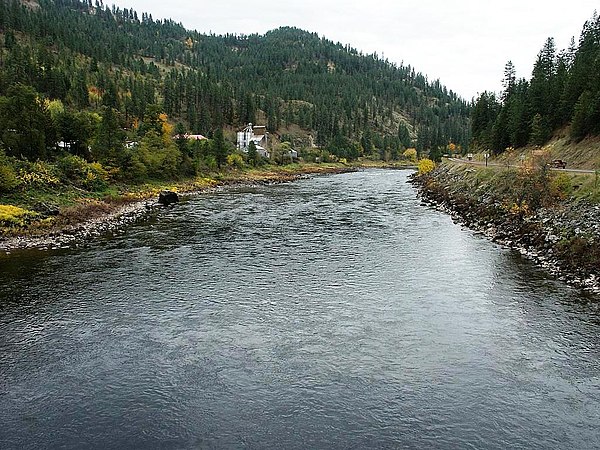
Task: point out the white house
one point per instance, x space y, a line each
256 134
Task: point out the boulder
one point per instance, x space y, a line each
167 198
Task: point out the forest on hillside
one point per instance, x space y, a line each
563 93
112 87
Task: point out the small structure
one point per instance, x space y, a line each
258 135
191 137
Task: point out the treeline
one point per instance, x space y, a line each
564 90
92 57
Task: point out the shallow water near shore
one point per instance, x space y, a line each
332 312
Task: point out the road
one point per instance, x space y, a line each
481 163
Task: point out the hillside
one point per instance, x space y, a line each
89 57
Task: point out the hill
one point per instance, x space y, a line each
91 57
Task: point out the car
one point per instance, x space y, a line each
558 164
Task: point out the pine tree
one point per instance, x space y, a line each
219 148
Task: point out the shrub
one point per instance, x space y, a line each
8 175
560 185
410 154
83 174
235 160
425 166
13 216
39 174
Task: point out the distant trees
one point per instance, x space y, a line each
564 89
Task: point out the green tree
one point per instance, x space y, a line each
539 130
252 154
110 139
26 128
219 148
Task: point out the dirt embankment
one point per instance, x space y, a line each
524 211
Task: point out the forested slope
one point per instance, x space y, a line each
90 57
562 94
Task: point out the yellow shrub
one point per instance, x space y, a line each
425 166
14 216
40 175
235 160
410 154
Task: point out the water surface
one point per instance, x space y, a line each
334 312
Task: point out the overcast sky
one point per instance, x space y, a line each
464 43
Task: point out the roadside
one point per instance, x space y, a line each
514 166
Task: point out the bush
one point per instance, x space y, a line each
13 216
235 160
8 175
39 174
78 171
560 185
410 154
425 166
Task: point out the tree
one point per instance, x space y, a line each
219 147
110 139
252 154
539 130
509 80
26 128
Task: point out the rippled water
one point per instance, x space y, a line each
335 312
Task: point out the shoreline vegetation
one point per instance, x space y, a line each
85 215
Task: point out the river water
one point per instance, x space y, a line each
334 312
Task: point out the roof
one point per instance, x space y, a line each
259 130
192 137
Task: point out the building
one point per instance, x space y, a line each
191 137
257 134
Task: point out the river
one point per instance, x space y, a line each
333 312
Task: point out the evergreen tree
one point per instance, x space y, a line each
219 148
252 154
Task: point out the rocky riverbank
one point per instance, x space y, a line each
563 236
92 218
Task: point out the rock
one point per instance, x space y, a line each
167 198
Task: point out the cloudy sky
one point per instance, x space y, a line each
464 43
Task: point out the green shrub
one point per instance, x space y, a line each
91 176
8 174
561 186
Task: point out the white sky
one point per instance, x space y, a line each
464 43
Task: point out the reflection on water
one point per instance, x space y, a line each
333 312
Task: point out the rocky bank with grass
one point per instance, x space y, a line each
47 226
541 213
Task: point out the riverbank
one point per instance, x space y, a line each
89 216
532 211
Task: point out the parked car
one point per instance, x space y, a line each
558 164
